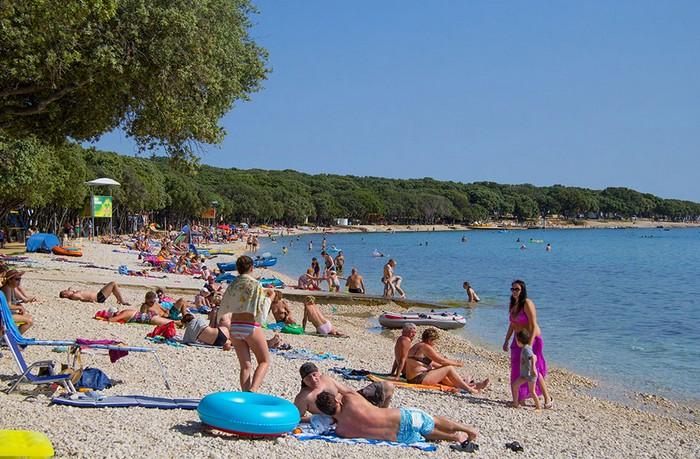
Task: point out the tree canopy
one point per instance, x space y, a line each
163 71
49 180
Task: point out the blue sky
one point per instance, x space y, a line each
592 94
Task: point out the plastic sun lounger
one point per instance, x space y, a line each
11 329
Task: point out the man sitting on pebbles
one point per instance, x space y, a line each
401 348
356 418
313 383
87 296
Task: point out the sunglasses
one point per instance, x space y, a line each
515 289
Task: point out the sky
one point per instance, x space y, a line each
591 94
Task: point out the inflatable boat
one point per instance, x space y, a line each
67 251
443 320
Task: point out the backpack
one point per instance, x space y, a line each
166 331
93 378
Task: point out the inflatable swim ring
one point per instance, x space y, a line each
67 251
248 413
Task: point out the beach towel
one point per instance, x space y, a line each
162 340
96 400
402 383
308 434
349 373
114 354
305 354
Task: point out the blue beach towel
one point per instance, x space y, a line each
305 354
95 400
309 434
349 373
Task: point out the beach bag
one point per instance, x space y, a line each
293 329
167 331
93 378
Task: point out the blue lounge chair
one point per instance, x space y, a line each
26 370
10 328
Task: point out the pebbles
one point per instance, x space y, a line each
579 426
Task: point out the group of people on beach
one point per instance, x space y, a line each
235 318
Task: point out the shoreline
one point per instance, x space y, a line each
581 424
606 386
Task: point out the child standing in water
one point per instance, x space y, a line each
528 373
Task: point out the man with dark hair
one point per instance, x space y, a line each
313 383
243 264
355 417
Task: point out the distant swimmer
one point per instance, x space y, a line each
464 238
523 247
549 248
284 250
517 240
311 245
377 253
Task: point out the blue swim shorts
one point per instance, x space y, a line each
414 425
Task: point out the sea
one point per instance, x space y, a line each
619 305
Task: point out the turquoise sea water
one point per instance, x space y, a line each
618 305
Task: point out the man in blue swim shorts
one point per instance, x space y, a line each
355 417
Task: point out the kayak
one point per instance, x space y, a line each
258 263
271 282
443 320
266 282
264 262
224 267
67 251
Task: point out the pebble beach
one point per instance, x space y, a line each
579 425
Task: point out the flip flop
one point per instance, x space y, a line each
515 446
466 446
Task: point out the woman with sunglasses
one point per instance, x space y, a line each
523 316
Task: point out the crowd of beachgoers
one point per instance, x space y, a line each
458 393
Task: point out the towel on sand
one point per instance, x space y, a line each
307 433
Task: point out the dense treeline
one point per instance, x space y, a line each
48 184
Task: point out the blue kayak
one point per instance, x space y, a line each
264 262
224 267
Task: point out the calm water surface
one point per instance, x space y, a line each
618 305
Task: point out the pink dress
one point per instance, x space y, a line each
537 347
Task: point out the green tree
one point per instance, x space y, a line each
25 173
165 72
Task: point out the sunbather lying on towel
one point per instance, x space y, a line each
198 331
313 383
355 417
87 296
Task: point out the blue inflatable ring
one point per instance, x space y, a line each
248 413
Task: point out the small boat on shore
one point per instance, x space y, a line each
67 251
443 320
265 262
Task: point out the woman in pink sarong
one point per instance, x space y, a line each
523 315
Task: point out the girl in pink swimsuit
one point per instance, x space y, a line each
522 315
